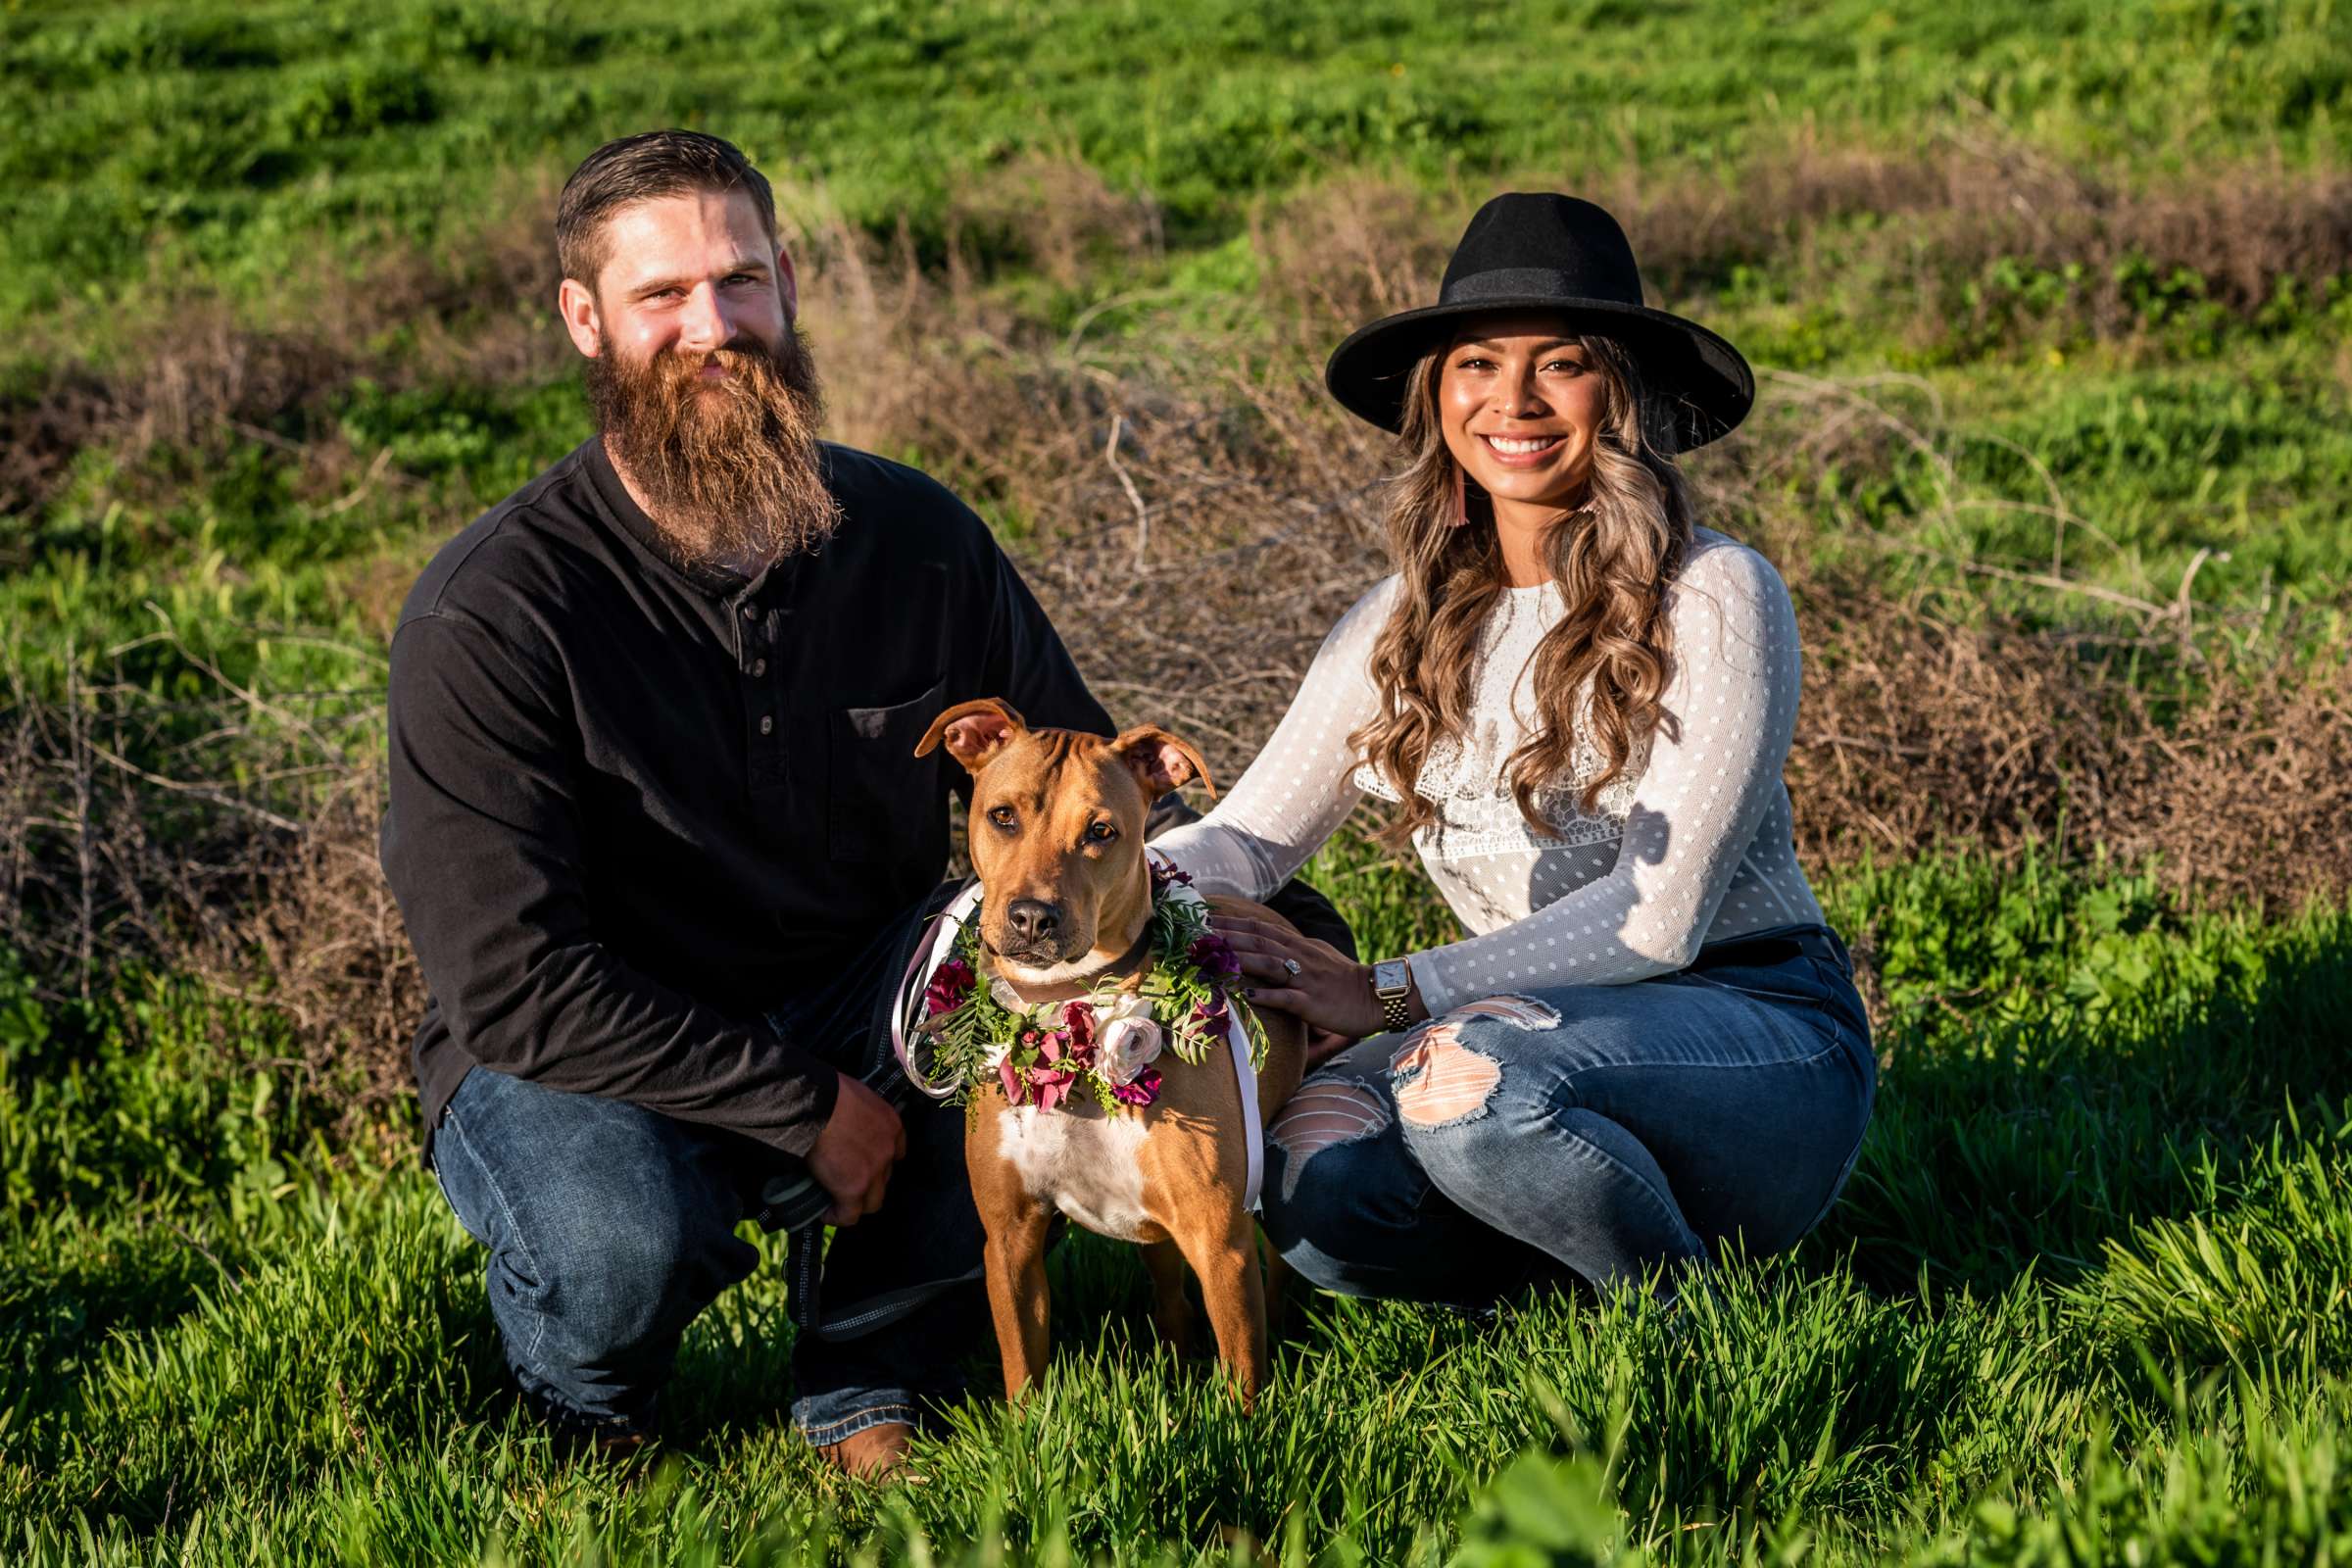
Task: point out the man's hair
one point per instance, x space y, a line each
636 168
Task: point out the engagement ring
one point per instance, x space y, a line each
1291 964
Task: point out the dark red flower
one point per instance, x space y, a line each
1213 1017
1214 957
1142 1090
1051 1088
951 984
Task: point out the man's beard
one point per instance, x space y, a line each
728 469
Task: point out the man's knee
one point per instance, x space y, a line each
610 1227
630 1260
650 1252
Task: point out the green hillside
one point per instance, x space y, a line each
2051 307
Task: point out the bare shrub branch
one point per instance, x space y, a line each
1195 514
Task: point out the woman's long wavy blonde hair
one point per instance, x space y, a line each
1612 556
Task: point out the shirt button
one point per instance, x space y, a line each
767 725
751 612
759 667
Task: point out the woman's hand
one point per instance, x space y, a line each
1330 992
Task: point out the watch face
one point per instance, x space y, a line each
1391 975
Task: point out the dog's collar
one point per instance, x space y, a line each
1135 958
1041 1051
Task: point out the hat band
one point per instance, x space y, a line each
1519 283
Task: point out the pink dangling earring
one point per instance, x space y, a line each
1461 500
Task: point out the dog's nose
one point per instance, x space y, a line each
1033 919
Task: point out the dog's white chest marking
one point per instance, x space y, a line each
1086 1167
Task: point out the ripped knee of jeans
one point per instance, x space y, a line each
1439 1080
1324 1112
1522 1012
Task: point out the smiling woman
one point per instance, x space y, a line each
1518 405
1581 703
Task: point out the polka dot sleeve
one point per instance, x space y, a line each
1297 792
1714 770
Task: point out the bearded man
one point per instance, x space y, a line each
661 842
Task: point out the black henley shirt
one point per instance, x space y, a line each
634 805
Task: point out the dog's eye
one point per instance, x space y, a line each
1101 833
1002 815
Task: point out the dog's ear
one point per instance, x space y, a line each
1160 761
974 731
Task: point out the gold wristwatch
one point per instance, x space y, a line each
1393 983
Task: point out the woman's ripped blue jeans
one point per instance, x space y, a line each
1593 1132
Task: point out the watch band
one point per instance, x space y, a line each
1391 984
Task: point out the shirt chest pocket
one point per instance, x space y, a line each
881 799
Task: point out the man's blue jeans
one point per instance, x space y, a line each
611 1227
1586 1131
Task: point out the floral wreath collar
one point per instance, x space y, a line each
1104 1040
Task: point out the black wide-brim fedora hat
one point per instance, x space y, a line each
1542 250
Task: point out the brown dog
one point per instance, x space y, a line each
1056 837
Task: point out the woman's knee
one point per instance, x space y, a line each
1455 1069
1335 1186
1353 1212
1465 1087
1492 1122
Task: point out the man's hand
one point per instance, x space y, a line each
862 1140
1322 1045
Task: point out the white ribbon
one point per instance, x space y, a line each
1245 1076
1238 1037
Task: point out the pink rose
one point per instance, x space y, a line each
1051 1088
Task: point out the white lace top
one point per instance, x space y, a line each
1691 845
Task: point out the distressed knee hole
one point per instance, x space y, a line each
1320 1116
1526 1012
1437 1079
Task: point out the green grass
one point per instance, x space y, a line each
2112 1162
143 142
2084 1298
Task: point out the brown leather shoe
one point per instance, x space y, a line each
576 1438
876 1453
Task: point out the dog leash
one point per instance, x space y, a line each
939 937
805 1226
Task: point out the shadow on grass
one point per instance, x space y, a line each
734 1370
2024 1146
58 1315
